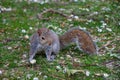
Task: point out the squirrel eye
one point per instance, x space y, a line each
43 38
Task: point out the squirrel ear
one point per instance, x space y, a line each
39 32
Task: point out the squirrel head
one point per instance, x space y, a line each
42 30
44 34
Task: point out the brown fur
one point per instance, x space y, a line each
81 37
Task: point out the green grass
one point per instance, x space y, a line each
14 62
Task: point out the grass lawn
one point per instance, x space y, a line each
19 20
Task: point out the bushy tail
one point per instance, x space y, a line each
81 38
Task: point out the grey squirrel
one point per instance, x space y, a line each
48 41
44 40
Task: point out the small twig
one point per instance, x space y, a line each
40 16
118 51
56 76
107 62
108 43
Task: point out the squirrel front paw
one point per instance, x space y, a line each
51 58
33 61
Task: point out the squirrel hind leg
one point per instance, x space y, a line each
53 57
78 44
